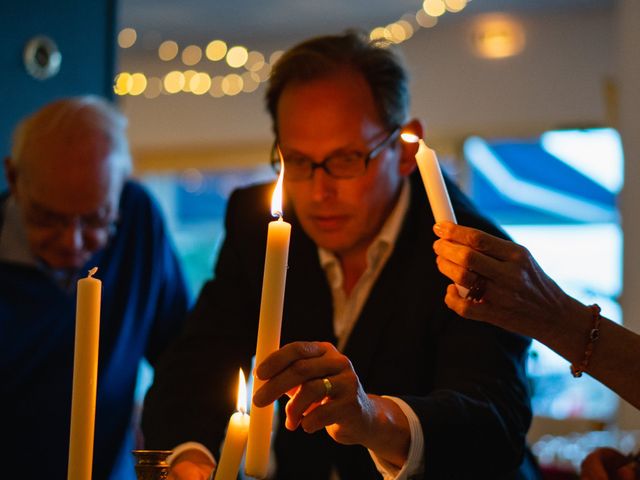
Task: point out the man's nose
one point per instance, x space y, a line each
72 236
323 186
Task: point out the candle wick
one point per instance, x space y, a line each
92 272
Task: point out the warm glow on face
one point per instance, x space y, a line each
276 198
409 137
241 402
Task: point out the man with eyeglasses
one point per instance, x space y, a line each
377 376
71 207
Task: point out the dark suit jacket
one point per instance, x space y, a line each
465 380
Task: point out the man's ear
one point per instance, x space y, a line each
11 174
408 150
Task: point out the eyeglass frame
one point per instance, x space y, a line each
58 222
367 157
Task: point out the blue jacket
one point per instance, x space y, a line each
144 301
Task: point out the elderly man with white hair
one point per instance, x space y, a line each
70 207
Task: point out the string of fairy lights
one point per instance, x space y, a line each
248 68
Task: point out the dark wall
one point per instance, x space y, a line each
84 32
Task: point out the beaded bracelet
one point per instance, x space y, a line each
594 335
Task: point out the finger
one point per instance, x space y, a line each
627 472
595 466
484 310
469 259
288 354
460 275
462 306
308 397
477 240
298 373
322 416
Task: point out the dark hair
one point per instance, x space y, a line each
379 64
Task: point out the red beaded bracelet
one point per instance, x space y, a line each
594 335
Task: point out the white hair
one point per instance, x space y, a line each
83 114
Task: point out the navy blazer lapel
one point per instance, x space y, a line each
399 286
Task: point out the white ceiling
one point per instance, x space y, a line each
202 20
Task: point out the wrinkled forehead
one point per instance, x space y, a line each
332 110
74 176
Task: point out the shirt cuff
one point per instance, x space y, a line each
183 447
415 459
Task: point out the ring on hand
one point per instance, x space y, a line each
477 290
328 387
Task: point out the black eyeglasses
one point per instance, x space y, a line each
298 167
98 223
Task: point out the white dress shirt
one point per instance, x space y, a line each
346 310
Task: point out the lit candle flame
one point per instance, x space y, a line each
241 402
276 198
409 137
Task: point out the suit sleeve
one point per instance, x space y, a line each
476 417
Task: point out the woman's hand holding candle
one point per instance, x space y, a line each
435 187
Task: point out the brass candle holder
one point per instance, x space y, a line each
151 464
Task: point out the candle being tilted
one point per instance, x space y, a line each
435 186
236 438
85 377
271 303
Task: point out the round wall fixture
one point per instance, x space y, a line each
42 58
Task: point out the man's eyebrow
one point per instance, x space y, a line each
335 151
102 211
43 209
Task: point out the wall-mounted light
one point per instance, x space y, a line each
42 57
497 36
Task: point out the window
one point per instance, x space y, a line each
556 194
194 205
